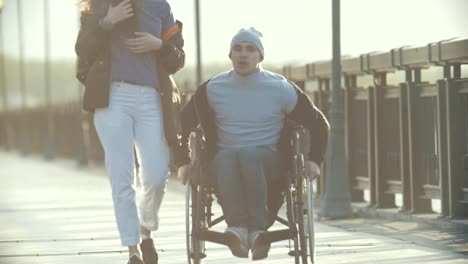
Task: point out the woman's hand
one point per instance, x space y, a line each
143 42
120 12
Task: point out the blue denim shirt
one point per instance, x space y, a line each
155 17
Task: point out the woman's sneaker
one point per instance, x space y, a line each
238 238
135 260
150 256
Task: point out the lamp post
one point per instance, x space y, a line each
2 63
4 93
336 202
198 41
49 147
25 144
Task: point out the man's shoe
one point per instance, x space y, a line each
150 256
237 236
135 260
259 246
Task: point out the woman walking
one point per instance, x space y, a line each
126 51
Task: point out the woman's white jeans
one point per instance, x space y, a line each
134 119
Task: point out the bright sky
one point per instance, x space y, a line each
294 30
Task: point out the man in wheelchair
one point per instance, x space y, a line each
242 113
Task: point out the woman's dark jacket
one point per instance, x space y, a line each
93 47
198 112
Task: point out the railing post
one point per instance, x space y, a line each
404 147
371 145
418 205
455 148
456 71
383 200
442 146
350 90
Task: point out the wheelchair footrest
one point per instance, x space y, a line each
215 237
223 239
277 235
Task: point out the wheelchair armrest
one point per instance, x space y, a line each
197 143
300 140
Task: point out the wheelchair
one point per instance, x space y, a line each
297 227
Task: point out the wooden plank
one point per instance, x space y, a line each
427 90
431 192
381 62
391 92
361 95
415 57
362 183
394 186
297 73
351 66
322 69
455 50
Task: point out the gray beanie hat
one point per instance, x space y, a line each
250 35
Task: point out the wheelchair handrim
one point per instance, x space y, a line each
188 193
310 220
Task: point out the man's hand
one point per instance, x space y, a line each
144 42
183 173
312 170
120 12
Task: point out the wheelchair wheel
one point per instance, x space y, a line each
193 213
305 221
304 212
302 195
310 220
299 207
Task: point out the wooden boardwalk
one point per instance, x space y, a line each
53 212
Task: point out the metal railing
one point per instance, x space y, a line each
408 138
